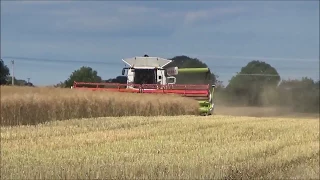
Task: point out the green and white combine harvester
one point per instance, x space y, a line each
154 75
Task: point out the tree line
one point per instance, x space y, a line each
301 95
6 79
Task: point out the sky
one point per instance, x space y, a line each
226 35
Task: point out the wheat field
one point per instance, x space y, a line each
30 106
179 147
143 138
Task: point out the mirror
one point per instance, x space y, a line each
123 71
172 71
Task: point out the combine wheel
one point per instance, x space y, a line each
210 110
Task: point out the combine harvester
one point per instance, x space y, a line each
150 75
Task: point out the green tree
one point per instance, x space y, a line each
305 82
188 62
249 88
4 73
301 95
84 74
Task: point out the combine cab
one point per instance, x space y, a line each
149 75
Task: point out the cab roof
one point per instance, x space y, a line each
147 62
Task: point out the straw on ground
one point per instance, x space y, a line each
185 147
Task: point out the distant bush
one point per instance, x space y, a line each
299 95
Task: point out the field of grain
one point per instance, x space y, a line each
179 147
29 105
148 137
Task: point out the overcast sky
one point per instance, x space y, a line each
225 35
